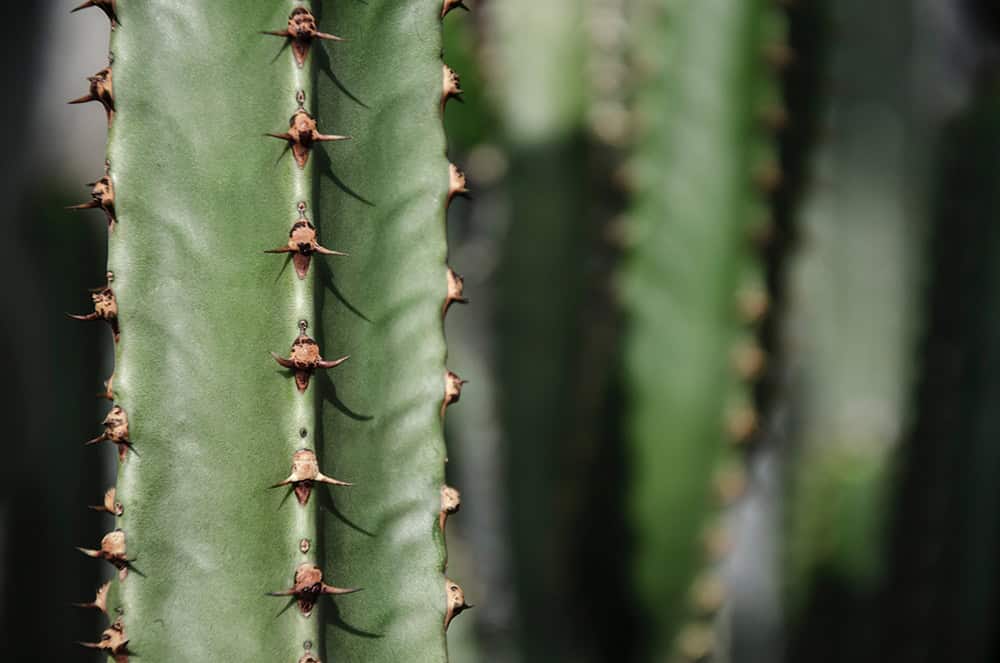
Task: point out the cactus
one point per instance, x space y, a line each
694 290
203 419
851 332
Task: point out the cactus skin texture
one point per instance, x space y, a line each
693 291
201 193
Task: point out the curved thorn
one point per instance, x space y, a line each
329 252
88 205
325 363
286 363
322 478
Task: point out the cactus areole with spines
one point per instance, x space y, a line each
203 420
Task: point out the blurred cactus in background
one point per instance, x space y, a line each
695 290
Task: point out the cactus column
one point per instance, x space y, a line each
694 290
199 195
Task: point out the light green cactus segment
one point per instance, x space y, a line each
384 202
201 193
542 90
698 152
854 292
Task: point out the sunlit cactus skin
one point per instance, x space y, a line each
693 286
200 193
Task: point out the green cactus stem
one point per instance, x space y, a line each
204 419
693 290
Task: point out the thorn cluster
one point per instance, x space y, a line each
105 307
305 473
302 134
302 244
101 90
110 504
115 431
112 550
102 196
305 358
308 587
301 32
113 642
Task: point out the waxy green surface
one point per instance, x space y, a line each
201 193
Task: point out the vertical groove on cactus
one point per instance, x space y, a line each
694 291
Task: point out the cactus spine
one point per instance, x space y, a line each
205 422
694 291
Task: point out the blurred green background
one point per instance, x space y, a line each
734 270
